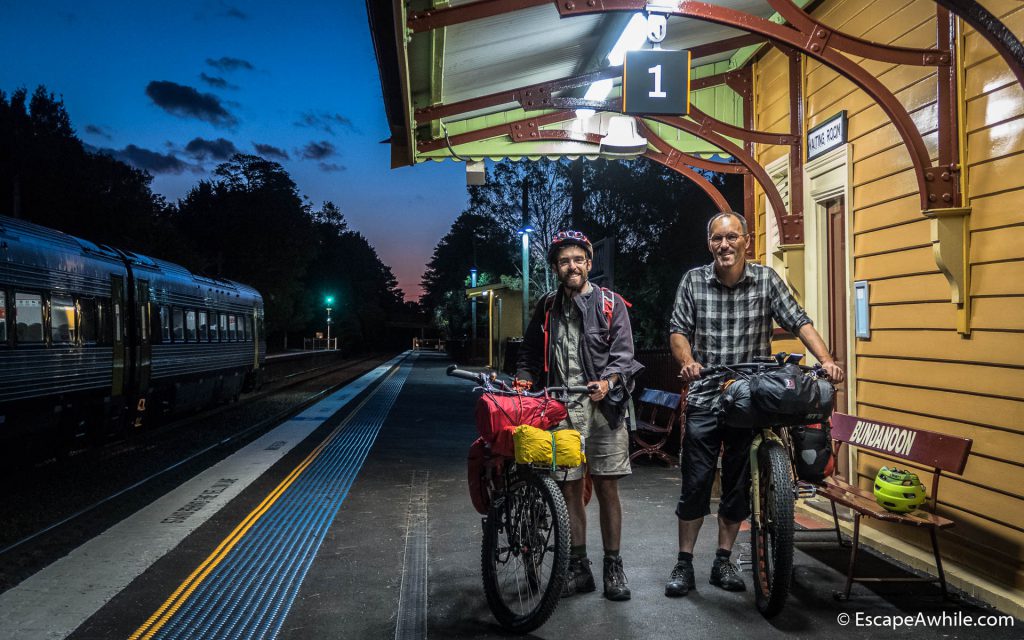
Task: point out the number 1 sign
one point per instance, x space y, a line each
656 82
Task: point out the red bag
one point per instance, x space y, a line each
498 416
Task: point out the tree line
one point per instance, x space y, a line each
656 216
248 223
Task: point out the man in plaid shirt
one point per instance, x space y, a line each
723 314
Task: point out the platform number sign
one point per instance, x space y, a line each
656 82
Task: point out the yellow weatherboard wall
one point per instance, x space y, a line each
916 369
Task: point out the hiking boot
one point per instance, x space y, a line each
615 580
580 578
681 581
723 574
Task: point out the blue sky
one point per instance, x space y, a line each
172 87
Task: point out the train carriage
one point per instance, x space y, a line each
96 340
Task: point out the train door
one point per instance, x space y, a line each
141 351
120 357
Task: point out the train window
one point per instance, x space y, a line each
178 324
204 332
3 318
224 327
247 328
165 324
62 320
214 336
232 327
87 327
190 325
28 314
103 329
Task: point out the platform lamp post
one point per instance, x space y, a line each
329 300
472 283
525 233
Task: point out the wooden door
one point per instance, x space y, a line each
835 215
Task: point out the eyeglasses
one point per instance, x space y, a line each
562 236
579 261
731 238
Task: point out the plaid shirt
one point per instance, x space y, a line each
729 325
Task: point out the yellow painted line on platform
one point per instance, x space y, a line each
167 610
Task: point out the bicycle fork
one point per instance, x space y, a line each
755 472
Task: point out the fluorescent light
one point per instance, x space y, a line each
585 113
632 38
599 90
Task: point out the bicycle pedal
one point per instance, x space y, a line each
805 490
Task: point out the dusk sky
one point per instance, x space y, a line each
175 88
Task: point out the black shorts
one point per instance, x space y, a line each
697 462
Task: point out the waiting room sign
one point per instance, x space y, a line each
826 136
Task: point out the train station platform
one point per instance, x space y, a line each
352 520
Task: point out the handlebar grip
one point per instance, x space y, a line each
455 371
579 389
710 371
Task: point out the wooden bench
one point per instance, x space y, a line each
902 446
656 417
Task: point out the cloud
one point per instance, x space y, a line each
230 64
220 9
219 149
96 130
187 102
323 121
318 150
147 160
270 151
216 82
331 167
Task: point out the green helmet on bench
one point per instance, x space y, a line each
898 491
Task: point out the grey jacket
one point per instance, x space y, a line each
606 345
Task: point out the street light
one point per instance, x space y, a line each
329 300
472 281
525 233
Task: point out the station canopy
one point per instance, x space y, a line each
497 79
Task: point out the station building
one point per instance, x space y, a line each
880 145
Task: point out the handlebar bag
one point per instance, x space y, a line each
787 396
737 409
497 416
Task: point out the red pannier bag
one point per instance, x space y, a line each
498 416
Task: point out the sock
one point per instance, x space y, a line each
611 553
580 551
723 553
688 557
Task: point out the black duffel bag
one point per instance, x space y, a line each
783 396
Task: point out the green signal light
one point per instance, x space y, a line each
329 300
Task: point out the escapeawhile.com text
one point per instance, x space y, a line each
922 619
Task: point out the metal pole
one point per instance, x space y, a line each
472 280
490 329
328 327
526 280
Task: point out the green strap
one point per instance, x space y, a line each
554 453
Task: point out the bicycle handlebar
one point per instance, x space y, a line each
485 381
757 366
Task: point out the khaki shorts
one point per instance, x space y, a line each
607 451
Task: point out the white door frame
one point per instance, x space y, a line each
827 177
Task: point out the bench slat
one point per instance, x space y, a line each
863 501
938 450
661 398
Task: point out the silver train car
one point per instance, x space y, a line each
96 341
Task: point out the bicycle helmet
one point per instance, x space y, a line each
898 491
566 238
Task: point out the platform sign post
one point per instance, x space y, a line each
656 82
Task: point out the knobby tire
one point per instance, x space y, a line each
522 587
772 543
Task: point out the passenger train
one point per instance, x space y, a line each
96 341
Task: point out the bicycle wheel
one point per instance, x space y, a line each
525 553
772 542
